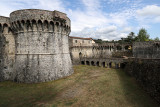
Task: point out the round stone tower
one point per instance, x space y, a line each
7 49
42 49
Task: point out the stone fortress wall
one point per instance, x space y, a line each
41 46
149 49
86 48
7 49
147 74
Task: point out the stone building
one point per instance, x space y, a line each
79 41
81 48
34 46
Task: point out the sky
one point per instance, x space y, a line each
98 19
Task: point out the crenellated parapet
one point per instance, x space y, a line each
39 20
5 25
34 46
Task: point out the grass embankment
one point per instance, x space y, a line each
88 87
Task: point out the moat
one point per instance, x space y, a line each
88 86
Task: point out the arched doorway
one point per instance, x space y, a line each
80 55
126 47
119 47
82 62
123 65
103 64
92 63
97 63
87 62
110 65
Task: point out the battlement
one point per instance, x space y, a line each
39 20
4 20
34 46
4 25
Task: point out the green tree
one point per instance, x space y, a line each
131 37
142 35
98 41
156 39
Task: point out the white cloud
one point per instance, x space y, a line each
81 20
88 19
107 29
85 22
127 29
51 5
149 14
107 33
92 4
157 19
150 10
5 10
8 6
118 1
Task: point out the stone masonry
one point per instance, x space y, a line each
38 50
150 50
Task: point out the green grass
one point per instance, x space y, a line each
88 87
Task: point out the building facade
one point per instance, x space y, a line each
81 48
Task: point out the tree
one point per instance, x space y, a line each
131 37
98 41
156 39
142 35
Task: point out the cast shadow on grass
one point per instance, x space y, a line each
25 95
133 92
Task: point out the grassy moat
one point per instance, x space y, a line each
88 87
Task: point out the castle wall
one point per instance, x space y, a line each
149 49
42 49
34 46
146 72
84 48
78 53
7 50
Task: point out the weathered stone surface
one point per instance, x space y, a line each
40 41
85 48
147 73
7 49
149 49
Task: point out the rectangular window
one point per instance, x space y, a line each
75 41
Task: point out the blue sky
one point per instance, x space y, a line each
104 19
